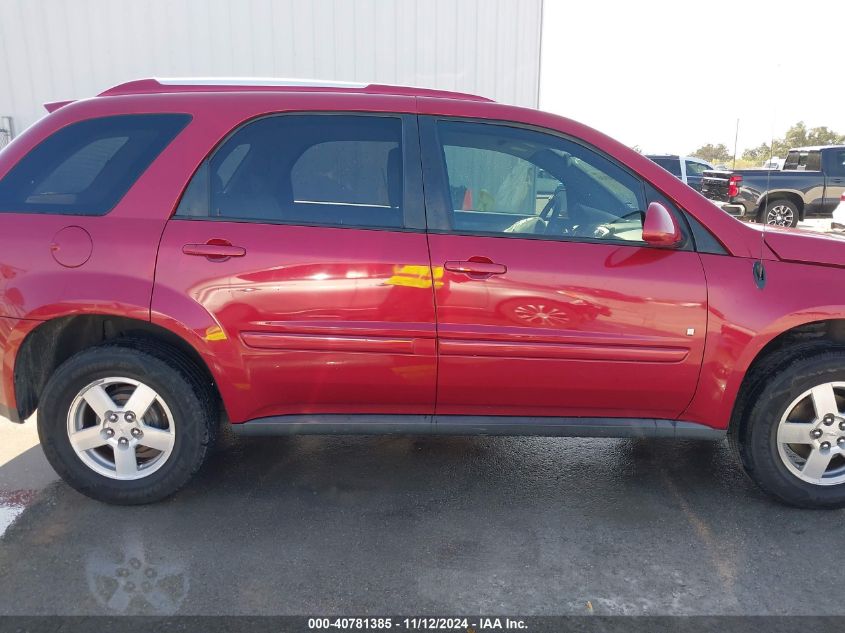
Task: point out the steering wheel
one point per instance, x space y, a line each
543 220
638 214
604 229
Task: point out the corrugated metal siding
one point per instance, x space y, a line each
69 49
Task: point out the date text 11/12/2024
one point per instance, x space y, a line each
470 625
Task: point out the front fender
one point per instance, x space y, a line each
743 320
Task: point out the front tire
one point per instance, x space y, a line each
126 424
792 442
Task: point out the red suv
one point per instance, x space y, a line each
374 259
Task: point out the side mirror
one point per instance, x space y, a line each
660 228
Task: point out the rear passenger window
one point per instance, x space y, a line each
814 162
802 161
335 170
87 167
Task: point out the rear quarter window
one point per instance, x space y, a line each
87 167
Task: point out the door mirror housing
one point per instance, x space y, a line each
660 228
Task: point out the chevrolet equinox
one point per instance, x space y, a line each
343 258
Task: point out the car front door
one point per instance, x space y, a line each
548 302
300 249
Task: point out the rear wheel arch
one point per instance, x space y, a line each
774 196
53 342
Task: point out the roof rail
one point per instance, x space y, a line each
259 84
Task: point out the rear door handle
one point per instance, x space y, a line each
473 267
215 250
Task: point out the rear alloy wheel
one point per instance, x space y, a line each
793 440
781 213
126 424
121 428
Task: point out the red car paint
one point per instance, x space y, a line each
297 319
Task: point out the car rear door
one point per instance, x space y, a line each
694 173
548 302
300 249
834 169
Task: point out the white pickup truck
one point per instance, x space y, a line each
688 168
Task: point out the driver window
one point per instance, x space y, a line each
511 181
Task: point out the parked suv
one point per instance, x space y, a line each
374 259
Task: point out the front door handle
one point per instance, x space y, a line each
476 267
215 250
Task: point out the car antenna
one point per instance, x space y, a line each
759 269
759 266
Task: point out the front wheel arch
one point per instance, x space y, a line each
797 342
776 449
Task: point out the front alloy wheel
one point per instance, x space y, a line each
792 439
811 435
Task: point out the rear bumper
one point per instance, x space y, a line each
12 333
732 208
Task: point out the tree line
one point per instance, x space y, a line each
799 135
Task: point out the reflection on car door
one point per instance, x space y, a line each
553 307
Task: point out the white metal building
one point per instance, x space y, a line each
69 49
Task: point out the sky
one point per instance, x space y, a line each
672 76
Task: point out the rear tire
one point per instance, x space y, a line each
127 423
780 213
786 445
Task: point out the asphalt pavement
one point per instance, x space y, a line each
420 525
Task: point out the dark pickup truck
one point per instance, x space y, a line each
810 184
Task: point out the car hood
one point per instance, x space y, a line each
807 247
